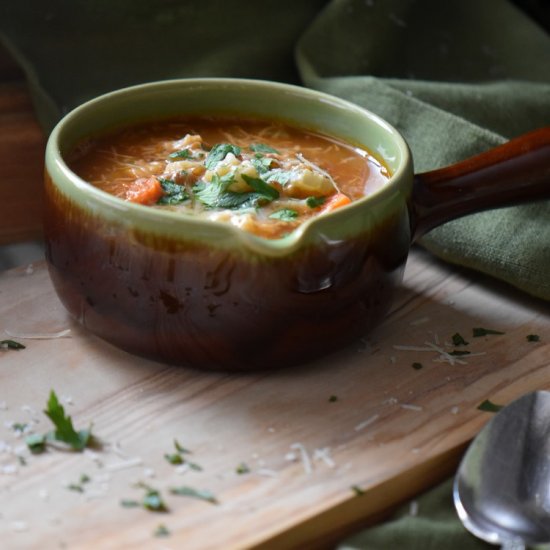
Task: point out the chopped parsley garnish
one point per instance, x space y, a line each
185 491
333 399
278 175
161 531
261 163
11 344
64 430
489 406
182 154
533 338
357 490
215 194
417 366
242 468
262 148
173 193
458 340
285 215
219 152
261 187
314 202
477 332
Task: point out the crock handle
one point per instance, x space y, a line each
517 171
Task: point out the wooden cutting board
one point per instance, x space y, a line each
390 431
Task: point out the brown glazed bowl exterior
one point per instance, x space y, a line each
206 294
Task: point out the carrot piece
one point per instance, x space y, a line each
335 201
145 191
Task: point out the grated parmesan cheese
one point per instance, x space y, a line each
306 462
39 335
367 422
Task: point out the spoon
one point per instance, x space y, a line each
502 487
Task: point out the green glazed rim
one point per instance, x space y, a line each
299 106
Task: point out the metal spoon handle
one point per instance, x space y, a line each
513 545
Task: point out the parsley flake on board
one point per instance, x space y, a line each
173 193
64 430
417 366
477 332
458 340
242 468
185 491
161 531
177 458
357 490
533 338
219 152
459 352
332 399
489 406
152 500
11 344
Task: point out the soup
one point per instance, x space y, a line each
263 177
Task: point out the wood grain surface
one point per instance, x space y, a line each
391 432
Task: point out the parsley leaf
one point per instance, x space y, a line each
11 344
214 194
261 163
285 215
333 398
185 491
533 338
488 406
182 154
314 202
417 366
278 175
476 332
64 430
219 152
262 148
357 490
261 187
173 193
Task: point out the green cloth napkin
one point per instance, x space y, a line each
455 77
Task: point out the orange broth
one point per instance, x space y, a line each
264 177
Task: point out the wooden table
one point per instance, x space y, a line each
392 431
329 446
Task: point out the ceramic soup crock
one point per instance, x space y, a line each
206 294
